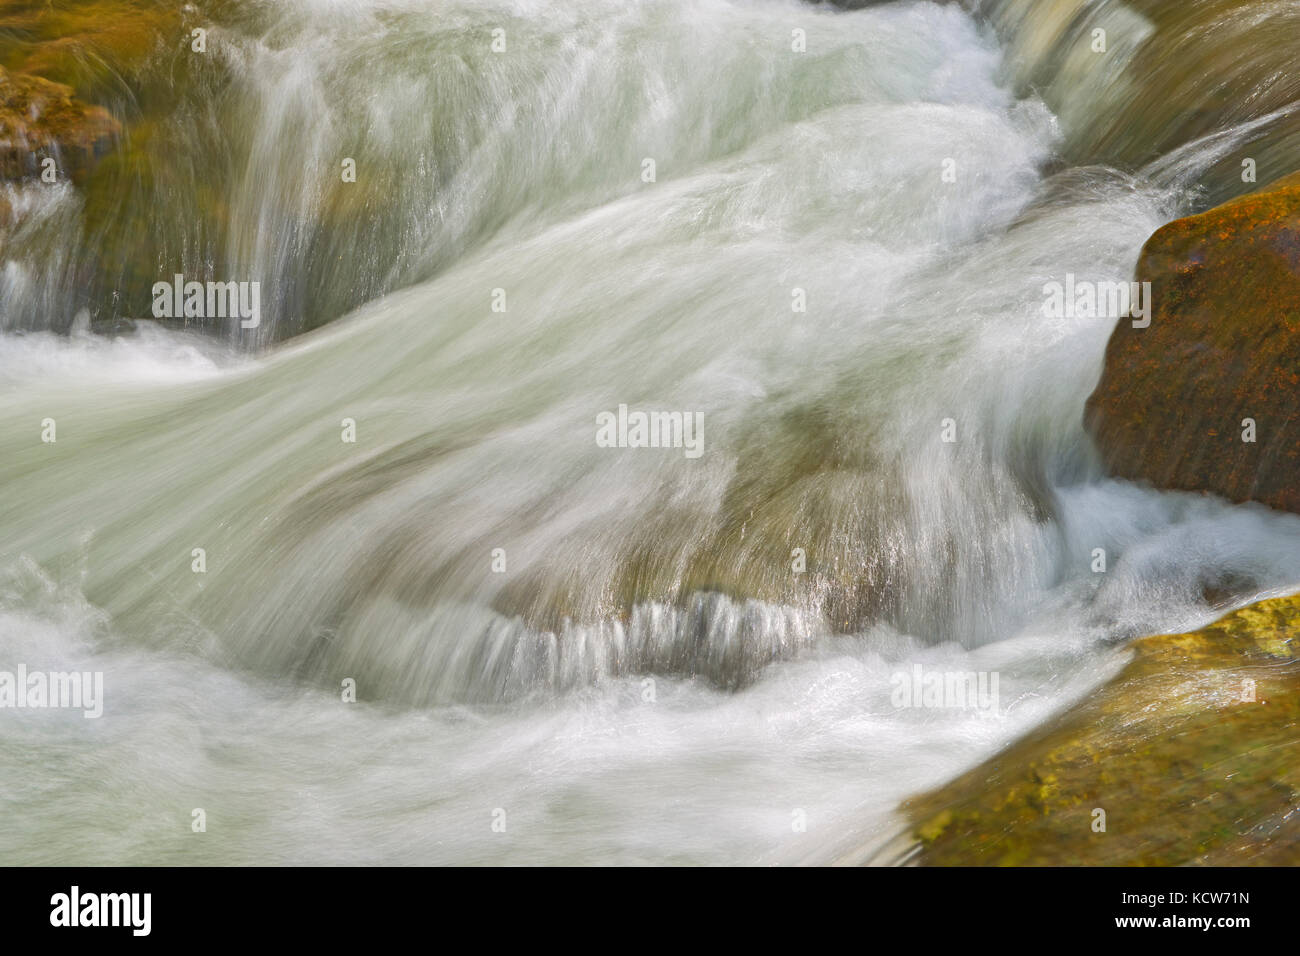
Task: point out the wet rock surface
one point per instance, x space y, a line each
1190 752
1207 398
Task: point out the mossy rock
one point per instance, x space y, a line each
90 45
41 119
1188 768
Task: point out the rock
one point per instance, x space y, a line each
41 119
94 46
1170 74
1188 768
1177 400
71 76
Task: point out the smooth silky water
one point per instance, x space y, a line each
647 681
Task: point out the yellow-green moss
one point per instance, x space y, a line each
1186 769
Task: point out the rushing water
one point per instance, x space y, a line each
647 679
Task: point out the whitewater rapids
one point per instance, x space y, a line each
647 680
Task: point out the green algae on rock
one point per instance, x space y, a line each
1207 398
1190 751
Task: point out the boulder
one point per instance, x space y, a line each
1189 751
1207 397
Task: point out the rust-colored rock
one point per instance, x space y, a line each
1223 346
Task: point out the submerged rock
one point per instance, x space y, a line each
41 119
1207 398
1134 81
1190 752
92 45
68 77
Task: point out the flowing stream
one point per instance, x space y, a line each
563 652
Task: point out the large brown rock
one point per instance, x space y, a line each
1223 346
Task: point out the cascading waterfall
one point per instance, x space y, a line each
582 636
